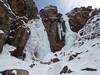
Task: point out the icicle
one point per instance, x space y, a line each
59 31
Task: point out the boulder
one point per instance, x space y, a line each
64 70
54 60
55 27
15 72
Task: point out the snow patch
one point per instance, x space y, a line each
14 72
7 48
1 31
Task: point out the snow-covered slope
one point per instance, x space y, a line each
81 59
8 62
80 56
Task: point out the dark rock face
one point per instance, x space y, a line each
55 27
18 38
2 40
18 72
13 14
24 8
78 17
4 24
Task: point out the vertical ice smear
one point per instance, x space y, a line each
38 42
60 31
70 36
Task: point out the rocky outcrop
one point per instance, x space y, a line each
25 8
13 15
15 72
55 27
78 17
91 29
18 38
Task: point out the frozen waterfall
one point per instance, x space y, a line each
70 35
38 43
